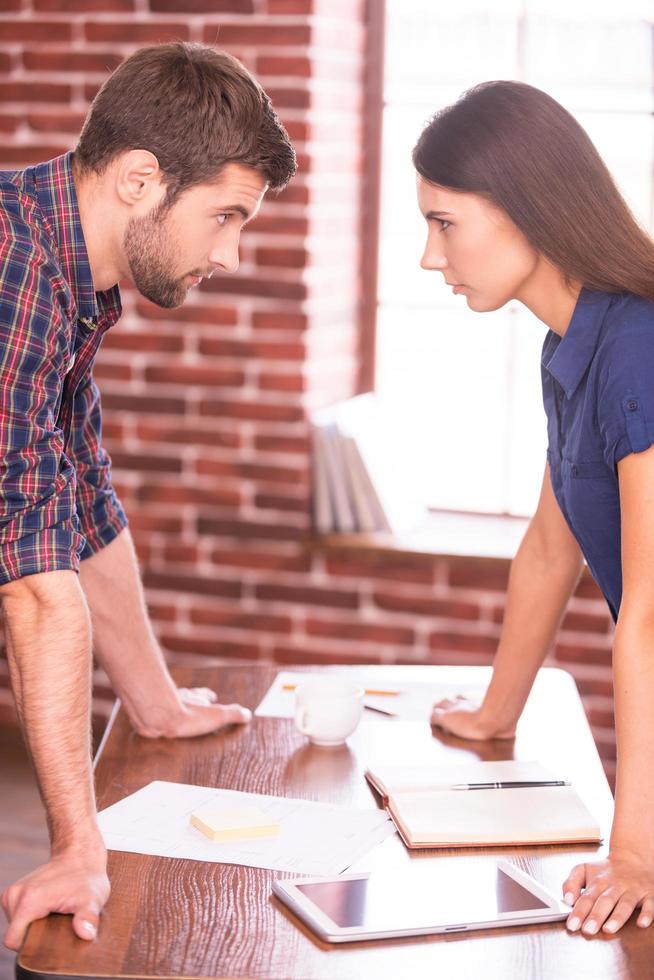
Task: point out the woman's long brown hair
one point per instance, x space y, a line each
522 150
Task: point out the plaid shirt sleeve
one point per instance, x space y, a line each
100 513
39 528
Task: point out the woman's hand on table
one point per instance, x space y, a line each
466 719
70 883
605 893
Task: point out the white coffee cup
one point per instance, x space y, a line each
328 710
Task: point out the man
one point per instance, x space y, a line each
174 159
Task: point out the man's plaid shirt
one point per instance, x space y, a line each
57 505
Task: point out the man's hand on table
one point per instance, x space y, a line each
197 712
71 883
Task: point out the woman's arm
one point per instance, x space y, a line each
543 575
615 887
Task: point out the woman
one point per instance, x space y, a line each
519 206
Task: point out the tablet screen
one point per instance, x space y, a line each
436 897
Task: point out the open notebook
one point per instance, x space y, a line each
428 813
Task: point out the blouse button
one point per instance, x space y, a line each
632 406
574 471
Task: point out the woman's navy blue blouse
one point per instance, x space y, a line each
598 392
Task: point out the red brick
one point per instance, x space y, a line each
36 30
23 156
181 554
291 6
256 286
196 374
145 462
181 494
258 35
263 560
252 349
417 570
479 573
116 372
469 642
142 403
5 62
202 6
118 339
290 98
280 321
283 444
604 717
271 501
279 224
294 193
210 648
362 632
312 596
285 258
34 92
280 65
189 313
136 32
48 60
238 619
188 435
250 471
8 124
61 121
161 612
587 588
586 623
252 410
449 608
249 529
566 652
84 6
298 132
7 5
301 655
146 523
194 584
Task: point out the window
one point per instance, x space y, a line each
464 387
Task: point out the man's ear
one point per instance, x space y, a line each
138 179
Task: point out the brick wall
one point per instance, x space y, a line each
205 407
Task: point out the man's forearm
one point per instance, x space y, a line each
123 640
540 587
49 654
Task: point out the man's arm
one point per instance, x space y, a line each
49 654
126 647
543 576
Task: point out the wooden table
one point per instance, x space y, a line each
179 918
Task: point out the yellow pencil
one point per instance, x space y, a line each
368 690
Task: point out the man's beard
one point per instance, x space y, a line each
149 252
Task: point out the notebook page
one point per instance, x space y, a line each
496 816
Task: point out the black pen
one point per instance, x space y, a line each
511 785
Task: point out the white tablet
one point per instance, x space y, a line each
444 895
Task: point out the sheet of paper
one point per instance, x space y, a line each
413 703
314 839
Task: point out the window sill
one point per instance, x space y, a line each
443 534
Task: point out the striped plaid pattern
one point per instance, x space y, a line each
57 505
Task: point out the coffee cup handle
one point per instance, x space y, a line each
302 720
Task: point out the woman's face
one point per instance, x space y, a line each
476 246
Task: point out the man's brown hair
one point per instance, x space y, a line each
195 108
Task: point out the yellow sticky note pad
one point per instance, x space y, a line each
240 823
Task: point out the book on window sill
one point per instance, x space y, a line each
429 813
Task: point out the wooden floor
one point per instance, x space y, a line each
23 835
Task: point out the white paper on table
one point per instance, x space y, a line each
413 703
314 839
